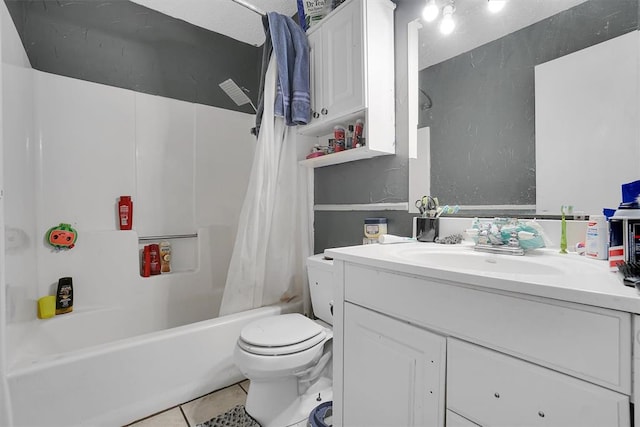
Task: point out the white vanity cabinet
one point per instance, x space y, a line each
504 358
352 77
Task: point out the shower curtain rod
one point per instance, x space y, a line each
249 6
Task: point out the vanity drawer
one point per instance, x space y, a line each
493 389
586 342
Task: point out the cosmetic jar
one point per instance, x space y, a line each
374 227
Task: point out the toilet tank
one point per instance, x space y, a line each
320 274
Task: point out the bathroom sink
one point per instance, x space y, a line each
465 259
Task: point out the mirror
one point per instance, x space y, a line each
528 109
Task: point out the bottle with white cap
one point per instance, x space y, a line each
597 239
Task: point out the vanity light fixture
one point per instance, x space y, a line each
447 25
431 11
496 6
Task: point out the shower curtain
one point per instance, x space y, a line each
273 238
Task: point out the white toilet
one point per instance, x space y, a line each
287 358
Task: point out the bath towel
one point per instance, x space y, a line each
291 47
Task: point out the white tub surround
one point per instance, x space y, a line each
482 339
186 167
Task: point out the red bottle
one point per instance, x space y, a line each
154 259
125 212
146 261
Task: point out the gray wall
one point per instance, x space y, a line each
483 111
123 44
378 180
483 115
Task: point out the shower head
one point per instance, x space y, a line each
236 93
427 104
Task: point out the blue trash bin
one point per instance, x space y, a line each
321 415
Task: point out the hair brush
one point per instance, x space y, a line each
631 273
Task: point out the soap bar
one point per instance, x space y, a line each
46 307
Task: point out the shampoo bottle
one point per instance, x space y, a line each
154 259
357 134
146 261
64 295
165 257
125 212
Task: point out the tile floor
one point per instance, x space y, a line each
199 410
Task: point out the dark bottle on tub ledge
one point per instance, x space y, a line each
64 295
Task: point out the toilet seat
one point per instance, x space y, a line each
281 335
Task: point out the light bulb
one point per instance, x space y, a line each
431 11
447 25
496 6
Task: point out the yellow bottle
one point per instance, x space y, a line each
165 257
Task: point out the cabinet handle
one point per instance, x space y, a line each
496 395
315 115
324 111
541 414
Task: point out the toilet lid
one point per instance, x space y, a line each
278 335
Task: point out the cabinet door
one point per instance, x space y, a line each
315 74
342 62
493 389
394 372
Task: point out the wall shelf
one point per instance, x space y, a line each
352 77
342 157
167 237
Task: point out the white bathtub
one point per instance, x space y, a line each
116 383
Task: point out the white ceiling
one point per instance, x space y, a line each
224 16
476 26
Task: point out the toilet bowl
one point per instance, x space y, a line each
287 358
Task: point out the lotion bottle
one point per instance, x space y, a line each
597 238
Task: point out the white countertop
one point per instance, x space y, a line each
546 273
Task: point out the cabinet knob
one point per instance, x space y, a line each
496 395
324 111
315 115
541 414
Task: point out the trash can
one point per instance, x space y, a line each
321 415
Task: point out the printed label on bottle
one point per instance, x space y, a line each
124 215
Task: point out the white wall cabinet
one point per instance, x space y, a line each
338 65
510 357
404 367
352 77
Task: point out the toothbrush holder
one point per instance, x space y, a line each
427 229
